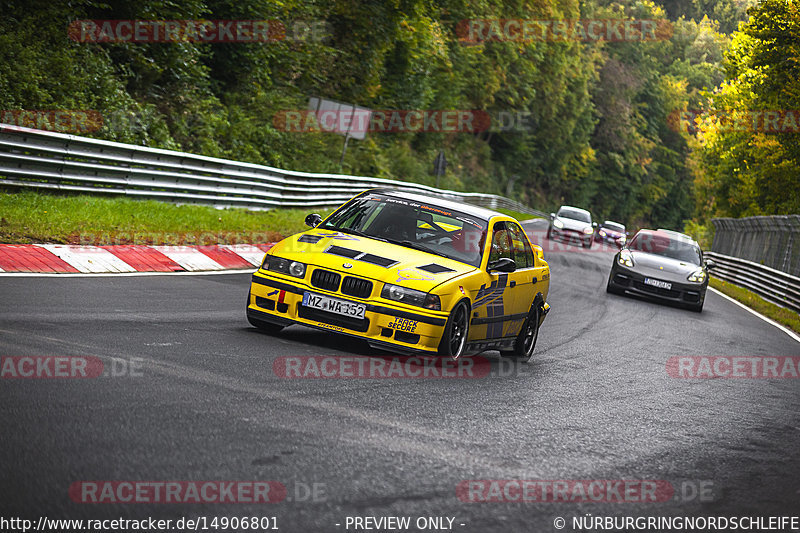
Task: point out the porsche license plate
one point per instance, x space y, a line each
658 283
334 305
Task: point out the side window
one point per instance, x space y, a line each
501 243
523 254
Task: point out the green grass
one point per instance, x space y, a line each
33 217
516 214
779 314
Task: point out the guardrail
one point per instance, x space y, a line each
49 160
771 284
773 241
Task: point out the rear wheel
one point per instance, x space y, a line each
454 338
526 340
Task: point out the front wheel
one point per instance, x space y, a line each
526 340
454 338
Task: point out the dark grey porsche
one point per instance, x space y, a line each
664 265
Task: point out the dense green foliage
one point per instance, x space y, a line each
747 164
600 117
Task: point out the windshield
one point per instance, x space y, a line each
613 226
415 225
668 247
574 214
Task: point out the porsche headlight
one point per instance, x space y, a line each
698 276
588 230
558 224
284 266
625 258
411 297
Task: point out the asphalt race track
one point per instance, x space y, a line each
191 395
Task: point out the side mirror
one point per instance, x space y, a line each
552 216
594 224
627 233
504 264
313 220
538 251
710 264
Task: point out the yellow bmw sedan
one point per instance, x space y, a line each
410 274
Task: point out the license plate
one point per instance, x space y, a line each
334 305
658 283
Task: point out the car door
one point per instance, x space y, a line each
530 278
497 305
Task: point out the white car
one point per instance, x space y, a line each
572 224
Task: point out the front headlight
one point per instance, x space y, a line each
625 258
588 231
602 233
284 266
558 224
411 297
698 276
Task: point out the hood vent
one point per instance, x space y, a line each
361 256
433 268
310 239
377 260
342 251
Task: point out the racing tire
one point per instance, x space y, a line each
587 244
454 338
266 327
526 340
549 234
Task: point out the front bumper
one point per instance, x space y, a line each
608 238
278 300
570 235
632 282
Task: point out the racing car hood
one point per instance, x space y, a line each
662 267
370 258
575 225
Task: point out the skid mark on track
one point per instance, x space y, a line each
406 438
